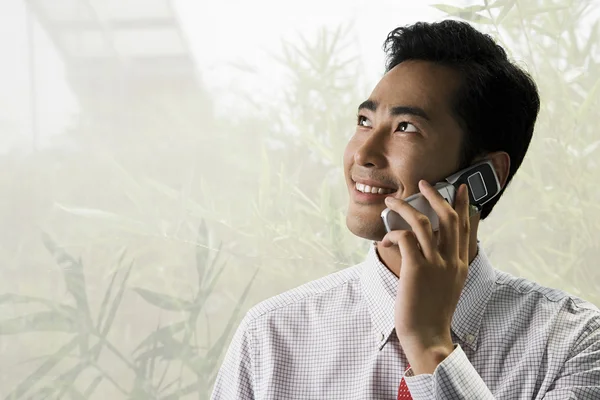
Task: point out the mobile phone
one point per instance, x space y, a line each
394 222
482 186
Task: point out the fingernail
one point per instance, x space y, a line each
424 183
388 200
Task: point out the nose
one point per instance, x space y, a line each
371 152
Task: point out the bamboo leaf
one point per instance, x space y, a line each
72 270
18 298
162 188
476 8
90 389
205 292
202 252
589 149
478 18
65 381
92 213
171 349
43 321
467 13
593 38
21 299
544 31
537 10
43 394
75 394
203 366
264 192
105 300
115 306
163 301
505 10
300 193
213 269
43 370
159 334
450 10
215 351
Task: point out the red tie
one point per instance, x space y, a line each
403 392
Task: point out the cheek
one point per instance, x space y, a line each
411 163
429 163
407 159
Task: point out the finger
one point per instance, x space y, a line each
448 227
464 222
406 241
420 224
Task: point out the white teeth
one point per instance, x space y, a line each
371 189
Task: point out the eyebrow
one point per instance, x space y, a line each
396 110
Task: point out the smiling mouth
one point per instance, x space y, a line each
372 189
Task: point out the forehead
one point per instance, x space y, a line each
418 83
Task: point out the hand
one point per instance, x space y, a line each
432 275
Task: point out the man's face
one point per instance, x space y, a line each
405 132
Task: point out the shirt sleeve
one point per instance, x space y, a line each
580 375
453 379
235 379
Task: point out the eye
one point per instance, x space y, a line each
364 121
406 126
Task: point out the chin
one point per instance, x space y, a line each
369 228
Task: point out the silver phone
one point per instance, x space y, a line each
394 222
482 186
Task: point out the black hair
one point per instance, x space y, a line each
497 103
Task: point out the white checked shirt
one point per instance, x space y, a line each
334 338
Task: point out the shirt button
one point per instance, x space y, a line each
470 338
381 337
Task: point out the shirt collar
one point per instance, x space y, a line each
379 286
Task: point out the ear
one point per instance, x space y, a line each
501 162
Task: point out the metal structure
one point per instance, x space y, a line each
119 55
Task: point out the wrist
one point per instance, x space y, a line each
425 357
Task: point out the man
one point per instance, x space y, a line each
425 316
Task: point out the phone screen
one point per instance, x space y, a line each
477 185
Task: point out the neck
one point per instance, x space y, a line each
392 259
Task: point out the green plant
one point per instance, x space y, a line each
270 186
544 227
172 346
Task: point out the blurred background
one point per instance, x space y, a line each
167 164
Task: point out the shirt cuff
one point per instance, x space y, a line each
453 378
